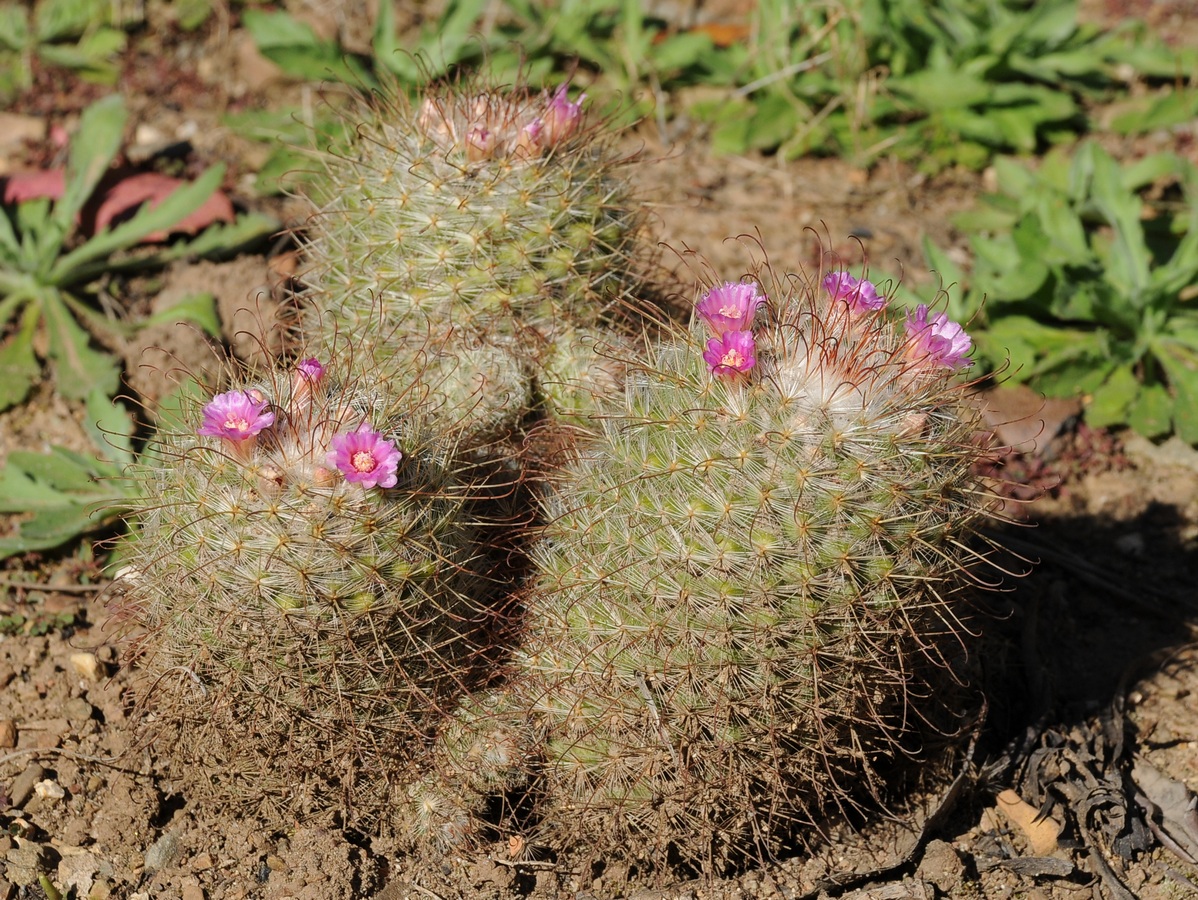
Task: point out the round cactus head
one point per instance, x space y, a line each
474 221
309 587
749 570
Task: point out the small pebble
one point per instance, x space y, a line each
50 791
86 665
201 862
8 734
162 852
77 711
193 892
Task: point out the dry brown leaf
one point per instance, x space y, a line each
1041 831
124 197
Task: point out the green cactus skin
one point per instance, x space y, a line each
297 634
743 585
446 227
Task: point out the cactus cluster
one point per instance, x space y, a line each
743 569
480 223
744 574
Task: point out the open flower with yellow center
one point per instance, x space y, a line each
365 457
731 354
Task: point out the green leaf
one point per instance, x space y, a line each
78 368
1112 400
20 492
92 150
19 369
183 201
111 428
1152 413
61 469
1127 267
1144 114
14 27
197 308
1180 363
56 20
229 237
936 90
53 527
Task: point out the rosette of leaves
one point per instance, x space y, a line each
48 270
84 35
1088 270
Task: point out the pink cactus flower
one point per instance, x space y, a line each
861 295
937 339
236 416
364 456
562 118
480 144
731 354
532 138
310 370
730 307
308 374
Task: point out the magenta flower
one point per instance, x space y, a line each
860 295
731 353
364 456
937 339
308 375
480 144
562 118
236 415
310 370
730 307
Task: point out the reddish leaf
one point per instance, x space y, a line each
122 199
33 185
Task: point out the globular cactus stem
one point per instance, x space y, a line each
473 229
309 589
748 573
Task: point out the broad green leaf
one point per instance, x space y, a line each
271 30
1080 373
1127 267
1113 399
21 492
52 527
682 51
56 20
198 308
1144 114
1181 365
14 27
19 369
94 57
92 150
1152 413
1065 232
1014 178
111 428
78 368
183 201
936 90
1014 127
61 469
228 237
772 123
